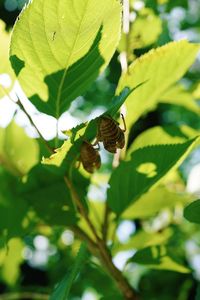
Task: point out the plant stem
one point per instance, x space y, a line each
28 116
105 257
34 125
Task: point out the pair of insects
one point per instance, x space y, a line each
112 137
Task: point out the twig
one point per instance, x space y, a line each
106 259
28 116
34 125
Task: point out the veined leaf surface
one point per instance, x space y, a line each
59 47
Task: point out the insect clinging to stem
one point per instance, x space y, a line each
89 157
111 134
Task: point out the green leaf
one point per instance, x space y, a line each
18 152
144 239
154 201
59 47
145 168
65 156
13 209
178 95
10 261
63 289
159 257
192 212
57 158
162 67
197 297
5 67
49 197
162 135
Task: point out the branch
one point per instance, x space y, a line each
34 125
105 257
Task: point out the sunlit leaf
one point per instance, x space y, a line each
12 258
154 201
144 239
163 135
59 47
161 67
177 95
145 168
18 152
159 257
57 158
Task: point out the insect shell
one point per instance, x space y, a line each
90 158
111 134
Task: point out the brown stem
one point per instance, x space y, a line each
106 259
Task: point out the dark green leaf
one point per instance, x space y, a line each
192 212
145 168
63 289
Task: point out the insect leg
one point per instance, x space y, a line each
124 130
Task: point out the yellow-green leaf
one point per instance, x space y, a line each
161 67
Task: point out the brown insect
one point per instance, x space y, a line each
90 158
111 134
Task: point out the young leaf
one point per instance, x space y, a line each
162 67
57 158
159 257
59 47
192 212
63 289
145 168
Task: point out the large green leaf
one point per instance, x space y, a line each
59 47
153 202
159 257
6 71
13 209
163 135
161 67
192 212
63 288
145 168
49 197
178 95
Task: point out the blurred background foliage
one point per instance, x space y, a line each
36 255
